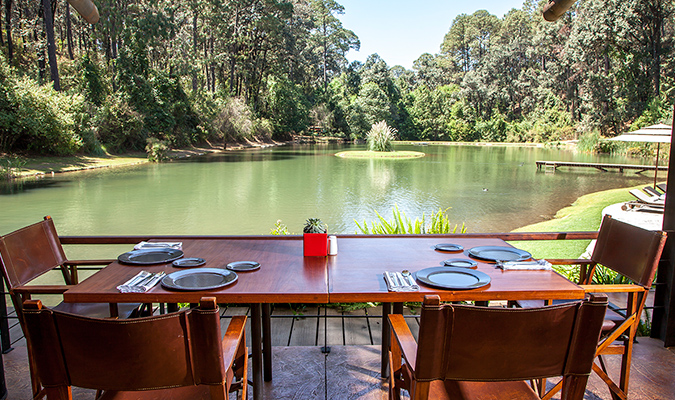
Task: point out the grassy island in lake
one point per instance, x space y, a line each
380 154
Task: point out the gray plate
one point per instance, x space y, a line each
459 263
499 253
150 256
450 247
243 266
452 278
199 279
189 262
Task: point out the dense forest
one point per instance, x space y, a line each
179 73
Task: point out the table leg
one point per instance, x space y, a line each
267 342
256 345
386 338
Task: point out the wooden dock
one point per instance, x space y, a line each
552 166
351 370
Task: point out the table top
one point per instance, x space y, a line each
355 274
285 276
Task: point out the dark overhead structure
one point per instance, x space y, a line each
87 9
556 8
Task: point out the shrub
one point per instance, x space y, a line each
120 126
380 136
235 121
157 150
401 224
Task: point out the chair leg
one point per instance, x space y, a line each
59 392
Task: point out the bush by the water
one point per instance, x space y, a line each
401 224
380 136
36 118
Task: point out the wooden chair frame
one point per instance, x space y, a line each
174 355
452 357
634 253
34 250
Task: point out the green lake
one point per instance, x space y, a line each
489 188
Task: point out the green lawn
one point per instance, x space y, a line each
584 215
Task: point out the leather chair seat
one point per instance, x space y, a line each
482 390
98 310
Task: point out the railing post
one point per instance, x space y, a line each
4 322
663 322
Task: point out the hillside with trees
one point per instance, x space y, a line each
182 73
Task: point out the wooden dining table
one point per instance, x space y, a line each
355 274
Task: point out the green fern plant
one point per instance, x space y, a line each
401 224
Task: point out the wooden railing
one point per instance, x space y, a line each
508 236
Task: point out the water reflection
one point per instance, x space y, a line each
246 192
19 185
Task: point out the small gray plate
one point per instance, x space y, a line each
199 279
459 263
189 262
243 266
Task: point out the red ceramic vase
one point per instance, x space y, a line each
315 244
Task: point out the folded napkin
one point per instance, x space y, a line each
515 265
159 245
141 283
397 282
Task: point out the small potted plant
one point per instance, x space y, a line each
315 238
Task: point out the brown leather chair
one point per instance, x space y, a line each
172 356
35 250
469 352
633 253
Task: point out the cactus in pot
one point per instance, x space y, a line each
315 238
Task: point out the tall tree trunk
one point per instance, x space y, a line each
51 45
69 32
206 65
8 20
233 52
325 52
195 50
2 37
213 67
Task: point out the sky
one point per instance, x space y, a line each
402 30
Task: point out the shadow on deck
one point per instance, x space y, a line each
352 368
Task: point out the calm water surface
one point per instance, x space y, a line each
489 188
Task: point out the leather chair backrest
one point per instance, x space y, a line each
172 350
629 250
29 252
458 342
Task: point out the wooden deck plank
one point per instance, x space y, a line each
356 328
333 322
281 325
305 329
375 323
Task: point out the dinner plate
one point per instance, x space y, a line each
448 247
459 263
243 266
499 253
452 278
199 279
150 256
189 262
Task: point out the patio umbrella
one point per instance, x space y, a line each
659 133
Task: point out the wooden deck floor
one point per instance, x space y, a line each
351 369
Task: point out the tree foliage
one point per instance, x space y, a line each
199 70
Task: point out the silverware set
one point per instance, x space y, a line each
400 281
141 282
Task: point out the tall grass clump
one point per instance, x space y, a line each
380 136
401 224
235 121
